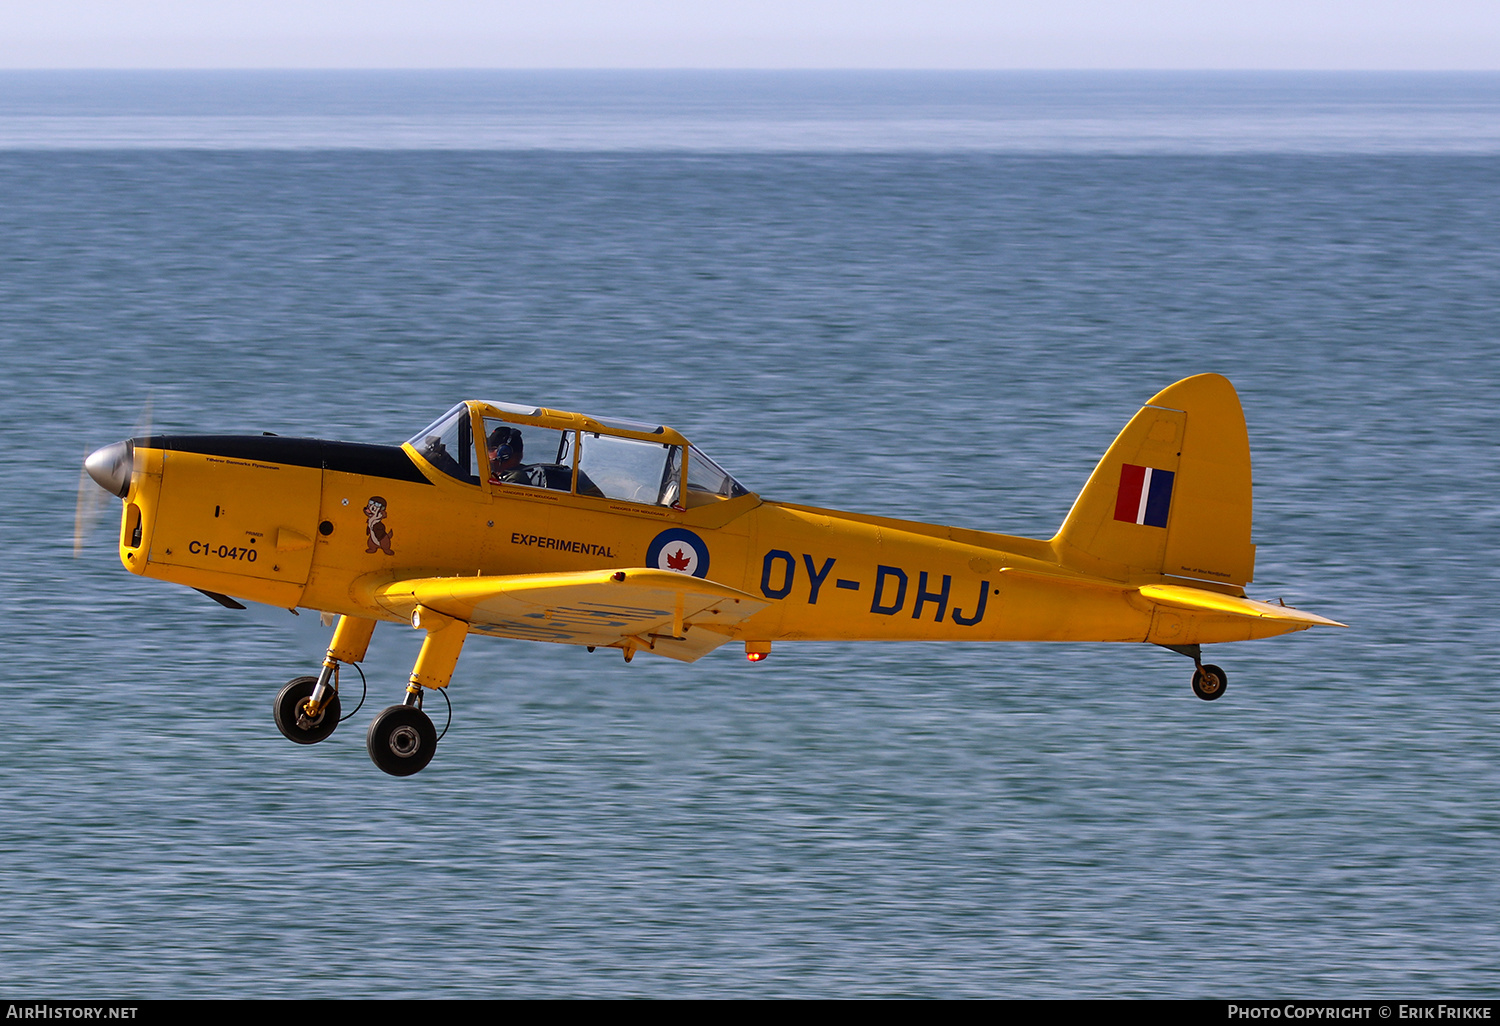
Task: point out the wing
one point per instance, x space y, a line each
671 614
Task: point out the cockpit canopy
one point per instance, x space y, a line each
501 445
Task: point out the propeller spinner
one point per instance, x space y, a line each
110 467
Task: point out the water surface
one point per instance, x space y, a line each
901 326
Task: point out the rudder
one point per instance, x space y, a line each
1171 495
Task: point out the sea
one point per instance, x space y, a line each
933 296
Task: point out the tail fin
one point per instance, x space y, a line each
1172 494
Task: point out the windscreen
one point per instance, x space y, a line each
448 444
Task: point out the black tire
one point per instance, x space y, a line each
287 703
1209 682
401 740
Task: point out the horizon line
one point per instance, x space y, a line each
765 69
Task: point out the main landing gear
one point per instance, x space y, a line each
402 739
1209 680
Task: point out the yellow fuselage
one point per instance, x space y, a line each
244 522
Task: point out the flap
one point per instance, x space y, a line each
671 614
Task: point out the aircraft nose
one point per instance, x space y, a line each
110 467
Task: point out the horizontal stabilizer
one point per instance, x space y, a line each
1199 600
661 611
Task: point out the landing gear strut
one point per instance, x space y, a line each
307 709
1209 681
401 740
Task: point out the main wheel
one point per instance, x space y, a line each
401 740
287 710
1209 682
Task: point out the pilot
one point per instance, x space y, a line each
506 449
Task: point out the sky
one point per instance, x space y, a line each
939 34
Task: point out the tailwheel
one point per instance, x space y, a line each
401 740
292 719
1209 681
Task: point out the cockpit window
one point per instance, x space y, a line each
631 469
448 444
707 482
592 463
533 457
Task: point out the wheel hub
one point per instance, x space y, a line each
306 720
405 741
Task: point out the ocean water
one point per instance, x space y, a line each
924 296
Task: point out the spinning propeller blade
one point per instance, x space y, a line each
107 464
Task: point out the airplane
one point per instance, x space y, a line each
544 525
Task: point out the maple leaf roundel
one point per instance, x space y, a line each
680 550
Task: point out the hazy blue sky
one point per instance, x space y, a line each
1334 34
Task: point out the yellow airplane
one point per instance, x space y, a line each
537 524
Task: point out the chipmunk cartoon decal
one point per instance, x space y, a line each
378 534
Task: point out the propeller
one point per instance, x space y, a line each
105 470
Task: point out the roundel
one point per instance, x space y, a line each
680 550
